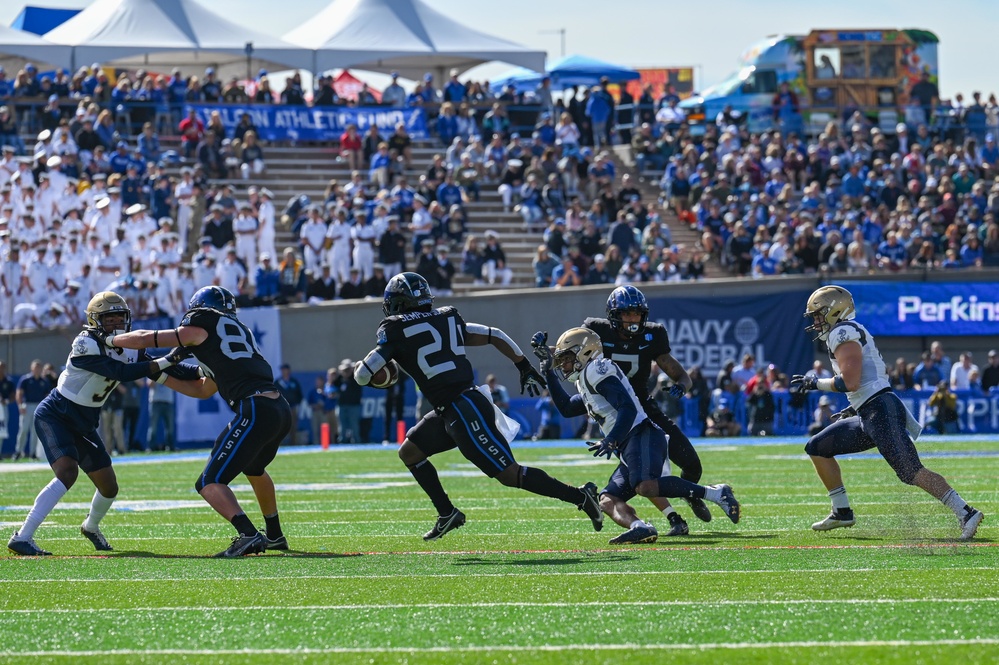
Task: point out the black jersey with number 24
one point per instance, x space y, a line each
230 355
430 347
634 355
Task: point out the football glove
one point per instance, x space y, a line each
178 354
539 344
106 339
677 391
848 412
530 380
604 447
804 382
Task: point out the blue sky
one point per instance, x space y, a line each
708 36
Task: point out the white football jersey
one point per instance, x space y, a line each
86 388
595 373
873 373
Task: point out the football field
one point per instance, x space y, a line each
526 580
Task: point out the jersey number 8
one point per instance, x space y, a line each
235 341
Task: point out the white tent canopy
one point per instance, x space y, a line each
401 35
166 33
31 47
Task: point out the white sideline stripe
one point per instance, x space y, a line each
402 606
690 646
464 576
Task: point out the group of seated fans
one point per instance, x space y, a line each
86 207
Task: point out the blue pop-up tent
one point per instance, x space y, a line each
565 73
39 20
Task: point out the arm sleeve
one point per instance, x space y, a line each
617 396
112 369
567 406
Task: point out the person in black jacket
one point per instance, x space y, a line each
322 286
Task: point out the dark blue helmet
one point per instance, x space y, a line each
623 299
407 292
215 298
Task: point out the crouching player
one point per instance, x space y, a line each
66 420
604 393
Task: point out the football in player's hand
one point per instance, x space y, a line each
386 376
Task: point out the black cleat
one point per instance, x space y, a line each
97 538
444 524
243 545
279 543
701 511
25 547
591 505
677 526
645 533
728 503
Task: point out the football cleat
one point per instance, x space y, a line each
969 523
25 547
591 505
640 534
279 543
243 545
701 511
728 502
444 524
839 518
677 525
97 538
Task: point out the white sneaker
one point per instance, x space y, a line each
837 519
969 524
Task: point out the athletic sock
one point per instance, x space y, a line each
712 494
428 480
673 486
840 501
46 500
99 507
537 481
273 523
668 511
244 525
636 524
954 501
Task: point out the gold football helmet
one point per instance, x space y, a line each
574 350
106 304
827 306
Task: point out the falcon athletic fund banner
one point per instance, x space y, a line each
917 309
200 421
319 123
708 332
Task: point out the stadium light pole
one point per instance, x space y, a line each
560 32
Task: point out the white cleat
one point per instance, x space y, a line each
838 519
969 524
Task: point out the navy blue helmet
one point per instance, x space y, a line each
407 292
623 299
214 298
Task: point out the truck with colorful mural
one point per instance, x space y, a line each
828 74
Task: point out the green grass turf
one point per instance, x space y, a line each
525 581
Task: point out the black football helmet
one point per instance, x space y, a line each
623 299
214 298
407 292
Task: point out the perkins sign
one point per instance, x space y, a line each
927 309
708 332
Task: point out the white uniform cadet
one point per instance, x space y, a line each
313 236
338 255
364 237
266 217
245 228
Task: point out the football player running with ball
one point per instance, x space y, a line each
430 344
605 394
633 343
66 420
233 366
876 416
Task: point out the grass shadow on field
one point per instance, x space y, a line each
511 560
138 554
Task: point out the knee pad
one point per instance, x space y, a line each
814 447
908 474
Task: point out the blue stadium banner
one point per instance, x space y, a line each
303 123
917 309
709 331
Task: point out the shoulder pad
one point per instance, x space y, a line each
85 345
381 336
842 333
599 369
449 309
197 318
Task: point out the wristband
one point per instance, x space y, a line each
109 341
162 378
833 385
162 364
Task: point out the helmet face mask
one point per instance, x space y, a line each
625 299
575 349
109 313
827 306
407 292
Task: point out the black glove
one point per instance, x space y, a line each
103 339
530 380
178 354
677 391
848 412
603 447
804 382
539 344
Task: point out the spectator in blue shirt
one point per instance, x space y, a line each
447 124
853 183
891 254
449 193
598 110
971 251
268 282
149 144
31 390
548 428
120 159
454 90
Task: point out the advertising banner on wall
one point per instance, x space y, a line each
917 309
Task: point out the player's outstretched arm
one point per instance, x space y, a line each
152 339
477 334
202 388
